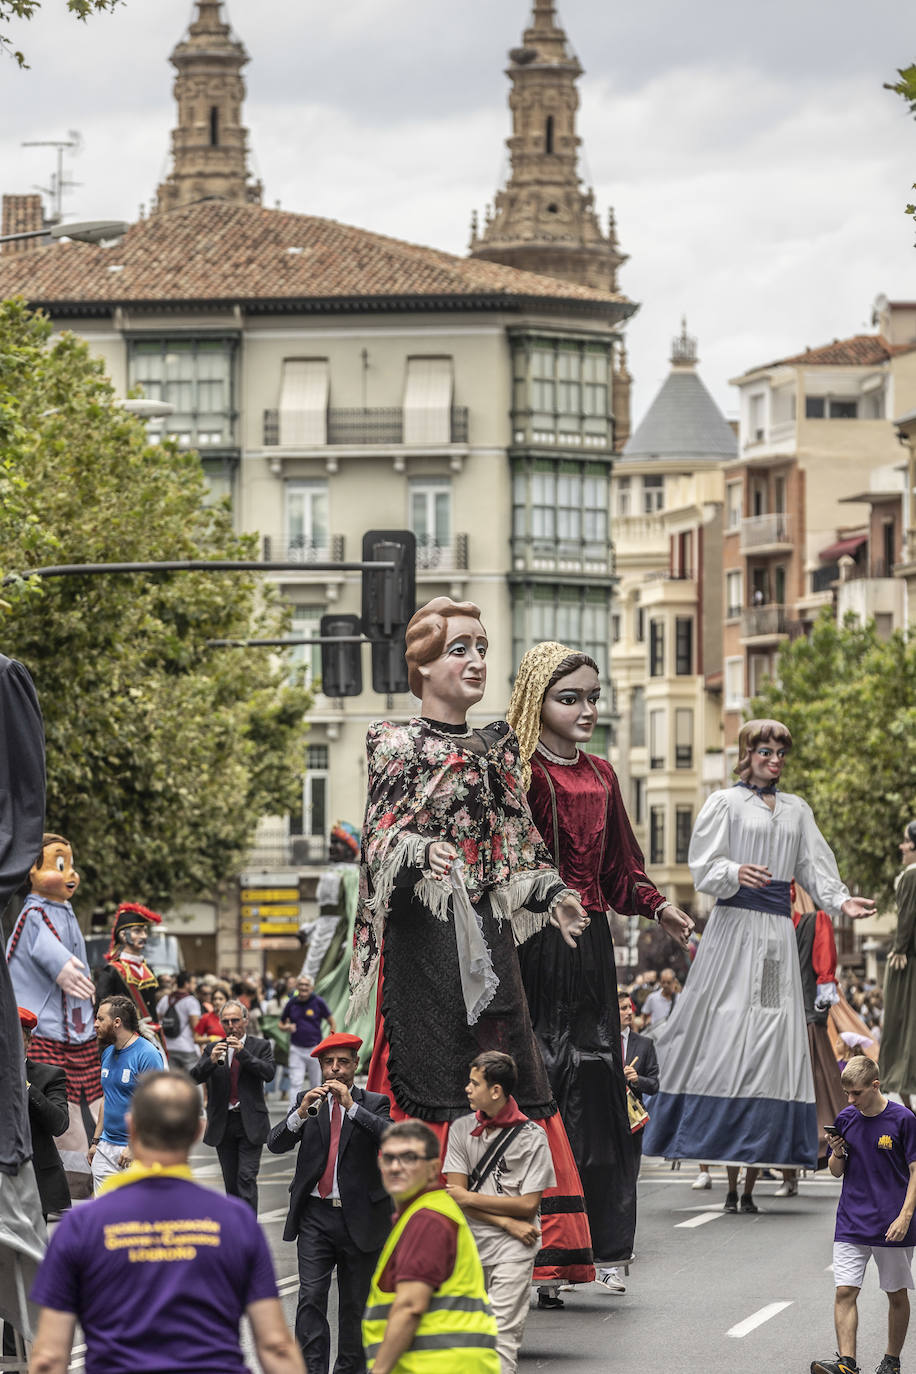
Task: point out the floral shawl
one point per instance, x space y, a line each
426 785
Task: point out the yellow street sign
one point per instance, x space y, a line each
270 894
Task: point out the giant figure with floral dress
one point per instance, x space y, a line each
454 873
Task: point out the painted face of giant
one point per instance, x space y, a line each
135 938
459 675
55 877
570 710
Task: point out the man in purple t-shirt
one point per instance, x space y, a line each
302 1017
158 1271
873 1150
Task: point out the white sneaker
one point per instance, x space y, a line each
702 1181
611 1280
789 1188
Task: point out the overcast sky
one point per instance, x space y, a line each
758 170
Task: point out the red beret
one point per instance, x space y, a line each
27 1018
339 1041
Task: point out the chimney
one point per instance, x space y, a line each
21 215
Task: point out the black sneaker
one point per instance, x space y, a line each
890 1364
748 1204
548 1303
843 1364
731 1202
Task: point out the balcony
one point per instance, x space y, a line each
440 561
304 551
275 847
767 533
762 625
564 556
362 427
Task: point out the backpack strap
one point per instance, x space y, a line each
482 1171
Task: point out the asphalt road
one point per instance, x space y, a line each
708 1292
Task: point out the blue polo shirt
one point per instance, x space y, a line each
120 1071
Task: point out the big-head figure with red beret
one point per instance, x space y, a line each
127 973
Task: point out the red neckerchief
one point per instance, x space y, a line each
509 1115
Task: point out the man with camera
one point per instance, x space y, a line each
339 1212
238 1122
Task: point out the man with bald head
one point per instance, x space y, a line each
192 1262
659 1005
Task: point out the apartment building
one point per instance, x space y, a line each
668 496
813 428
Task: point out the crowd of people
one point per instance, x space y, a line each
512 1085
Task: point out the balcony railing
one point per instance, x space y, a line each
878 567
564 555
822 579
330 549
275 847
449 556
759 531
758 621
358 426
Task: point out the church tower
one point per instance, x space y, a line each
543 220
209 143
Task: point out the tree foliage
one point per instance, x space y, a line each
162 753
27 9
905 87
849 700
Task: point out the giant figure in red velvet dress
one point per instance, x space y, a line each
572 992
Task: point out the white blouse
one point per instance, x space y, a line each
735 826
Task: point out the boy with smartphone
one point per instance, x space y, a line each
873 1150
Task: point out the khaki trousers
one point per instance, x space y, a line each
509 1287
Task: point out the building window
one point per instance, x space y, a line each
430 502
639 801
843 410
638 718
831 408
567 614
734 594
756 429
304 394
196 376
657 834
306 658
623 497
683 737
561 387
683 646
734 684
657 741
640 625
428 401
653 494
615 627
656 648
600 742
568 503
734 505
307 535
683 827
315 791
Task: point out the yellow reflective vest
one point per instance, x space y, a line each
458 1325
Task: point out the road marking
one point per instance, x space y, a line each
288 1285
701 1220
278 1214
751 1323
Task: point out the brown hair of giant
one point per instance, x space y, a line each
754 732
860 1072
427 632
165 1110
45 841
411 1129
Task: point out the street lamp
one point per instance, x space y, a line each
84 231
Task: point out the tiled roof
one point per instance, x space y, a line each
247 253
862 350
682 422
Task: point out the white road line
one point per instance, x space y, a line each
278 1214
701 1220
749 1324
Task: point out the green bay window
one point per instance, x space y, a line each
561 392
197 377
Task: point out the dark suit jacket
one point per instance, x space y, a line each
365 1204
49 1115
256 1067
647 1068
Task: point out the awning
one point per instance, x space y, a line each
843 547
428 401
304 402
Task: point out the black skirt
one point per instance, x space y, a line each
572 996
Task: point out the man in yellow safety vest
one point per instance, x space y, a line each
427 1305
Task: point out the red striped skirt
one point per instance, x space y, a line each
79 1062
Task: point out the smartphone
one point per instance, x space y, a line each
832 1134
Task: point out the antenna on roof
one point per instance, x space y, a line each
59 183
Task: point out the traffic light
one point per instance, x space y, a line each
389 600
341 664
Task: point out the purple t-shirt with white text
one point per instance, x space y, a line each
158 1273
879 1150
